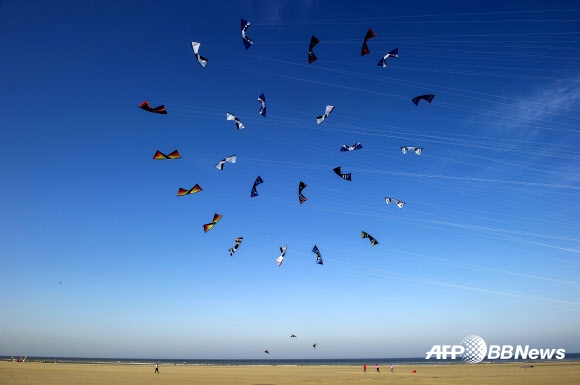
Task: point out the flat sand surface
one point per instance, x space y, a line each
78 374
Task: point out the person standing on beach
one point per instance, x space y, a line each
365 368
157 368
392 370
377 366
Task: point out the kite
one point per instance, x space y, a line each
398 202
416 150
202 61
158 110
254 192
280 259
266 351
207 227
373 241
311 56
365 49
292 336
320 119
159 155
239 123
193 190
393 53
247 41
356 146
262 99
318 257
427 98
235 248
231 159
314 346
301 197
343 176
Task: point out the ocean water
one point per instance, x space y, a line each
370 362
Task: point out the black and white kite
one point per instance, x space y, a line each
416 150
356 146
365 49
247 41
427 98
318 259
393 53
343 176
254 192
398 202
231 159
202 61
235 248
301 197
320 119
239 123
373 241
311 56
280 259
262 99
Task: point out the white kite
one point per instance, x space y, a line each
322 118
280 259
231 159
202 61
239 123
416 150
398 202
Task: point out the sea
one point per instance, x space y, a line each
570 357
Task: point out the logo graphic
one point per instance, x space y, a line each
475 349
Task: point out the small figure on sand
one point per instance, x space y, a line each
365 368
392 369
157 368
377 366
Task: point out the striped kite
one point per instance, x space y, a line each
311 56
356 146
262 99
301 197
247 41
254 192
239 123
427 98
280 259
158 110
398 202
231 159
373 241
365 49
416 150
318 259
320 119
235 248
182 192
202 61
343 176
393 53
207 227
159 155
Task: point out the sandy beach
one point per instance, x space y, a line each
64 374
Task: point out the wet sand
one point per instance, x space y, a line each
12 373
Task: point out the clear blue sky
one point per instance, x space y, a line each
487 243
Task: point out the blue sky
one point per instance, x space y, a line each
487 243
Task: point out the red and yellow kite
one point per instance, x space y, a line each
208 226
193 190
159 155
158 110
